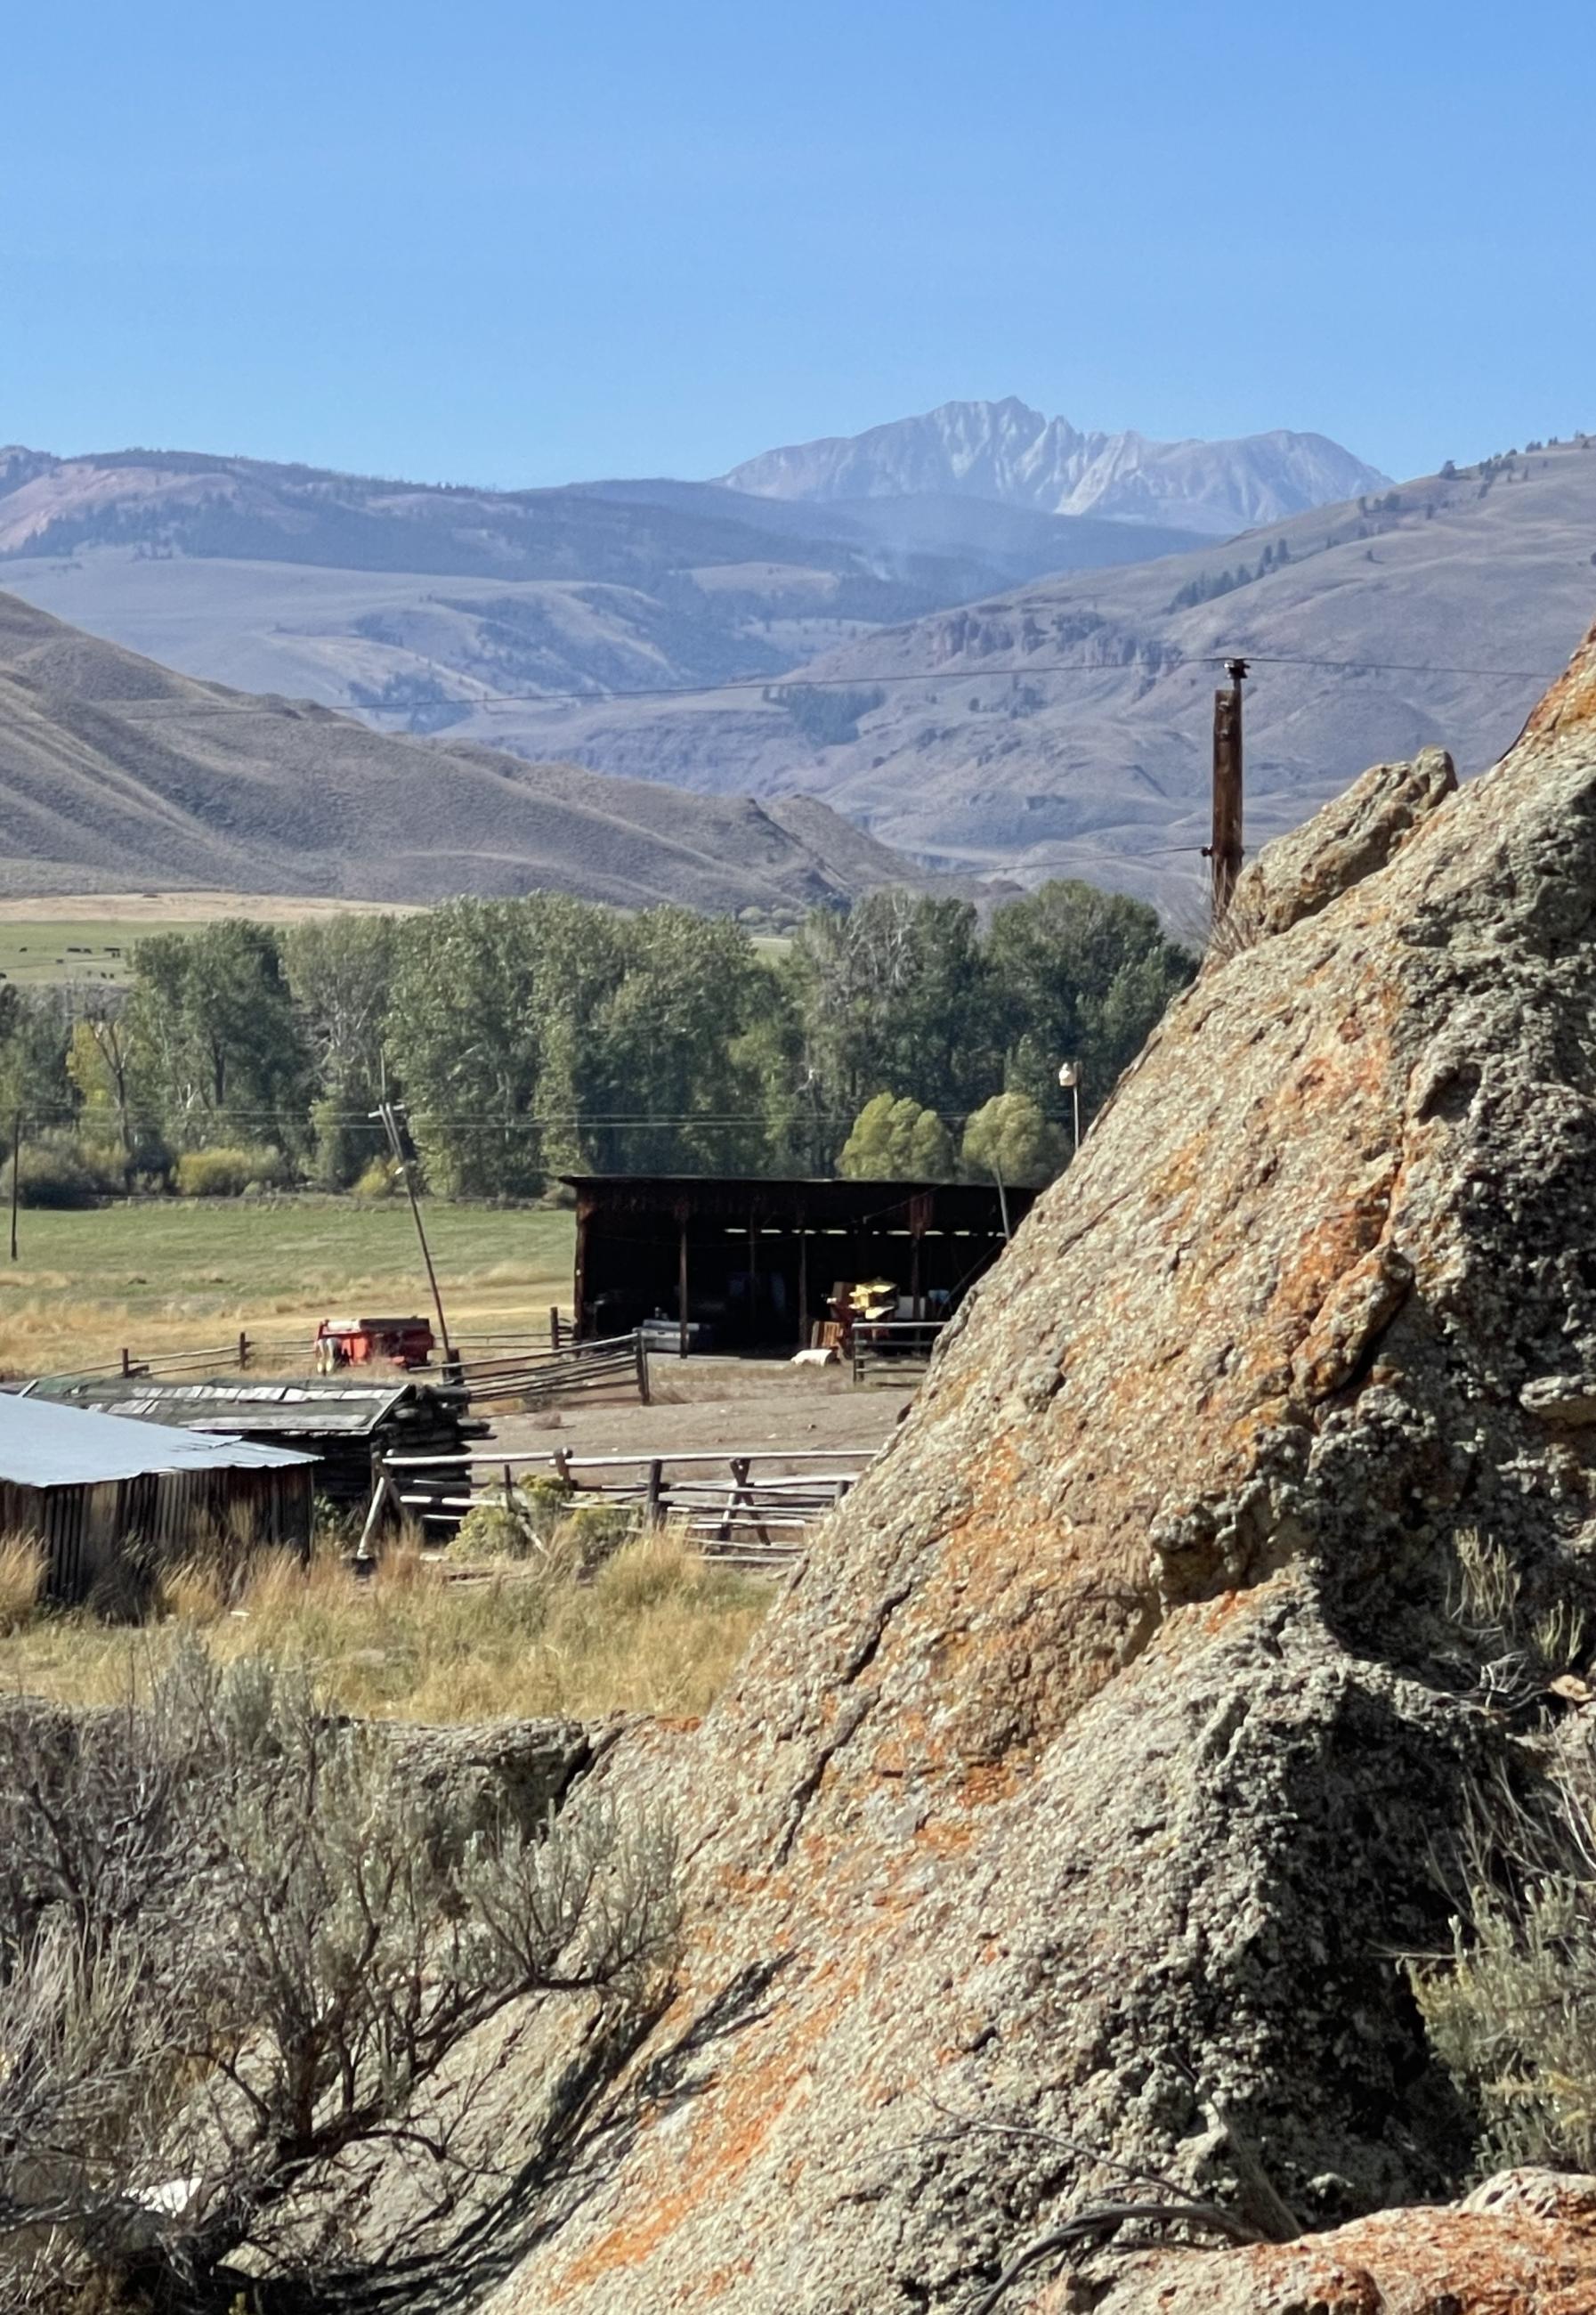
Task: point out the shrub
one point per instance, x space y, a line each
1513 2018
241 1943
599 1531
379 1180
58 1171
228 1173
514 1523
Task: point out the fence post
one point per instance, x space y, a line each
651 1500
643 1368
243 1350
127 1362
554 1327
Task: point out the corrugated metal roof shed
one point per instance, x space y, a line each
43 1444
317 1407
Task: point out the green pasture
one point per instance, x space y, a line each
173 1273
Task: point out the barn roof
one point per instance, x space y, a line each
44 1444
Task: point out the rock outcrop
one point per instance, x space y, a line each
1069 1818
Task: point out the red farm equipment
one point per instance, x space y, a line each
371 1341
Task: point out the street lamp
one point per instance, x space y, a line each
1069 1077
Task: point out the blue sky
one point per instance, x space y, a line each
530 243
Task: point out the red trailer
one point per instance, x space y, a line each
368 1342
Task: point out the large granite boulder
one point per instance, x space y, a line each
1069 1818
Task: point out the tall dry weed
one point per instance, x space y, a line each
23 1570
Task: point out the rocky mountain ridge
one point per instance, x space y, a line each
1006 450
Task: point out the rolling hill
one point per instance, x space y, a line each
116 773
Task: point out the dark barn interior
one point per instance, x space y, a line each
749 1265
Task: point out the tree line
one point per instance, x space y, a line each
527 1038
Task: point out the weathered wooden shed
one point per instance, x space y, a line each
748 1264
105 1497
342 1423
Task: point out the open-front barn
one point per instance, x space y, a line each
753 1264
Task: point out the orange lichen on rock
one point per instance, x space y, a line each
1524 2244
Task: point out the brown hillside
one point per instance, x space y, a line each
115 771
1079 1796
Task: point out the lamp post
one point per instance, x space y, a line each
1069 1077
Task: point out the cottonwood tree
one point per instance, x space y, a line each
898 1140
238 1946
217 1051
1009 1141
340 973
1078 975
895 993
467 1040
664 1047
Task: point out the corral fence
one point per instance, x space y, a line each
743 1517
890 1350
544 1378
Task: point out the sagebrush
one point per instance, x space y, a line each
236 1945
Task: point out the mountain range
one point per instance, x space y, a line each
1010 453
984 686
437 607
1064 727
116 775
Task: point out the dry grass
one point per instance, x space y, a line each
657 1630
22 1580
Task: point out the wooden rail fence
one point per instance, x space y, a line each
544 1378
887 1350
754 1522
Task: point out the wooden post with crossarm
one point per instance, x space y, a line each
1225 852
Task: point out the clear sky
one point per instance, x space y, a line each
530 241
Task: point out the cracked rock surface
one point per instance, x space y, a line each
1080 1790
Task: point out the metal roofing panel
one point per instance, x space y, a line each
43 1444
296 1409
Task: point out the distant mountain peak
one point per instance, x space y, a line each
1015 455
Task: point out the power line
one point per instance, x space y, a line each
1397 667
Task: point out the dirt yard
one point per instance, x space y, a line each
725 1405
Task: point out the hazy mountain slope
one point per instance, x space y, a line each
1006 451
117 773
971 749
414 603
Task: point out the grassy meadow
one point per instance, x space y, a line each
656 1630
168 1274
60 941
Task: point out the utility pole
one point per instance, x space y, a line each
1225 852
386 1112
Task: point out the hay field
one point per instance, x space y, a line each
168 1274
59 939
